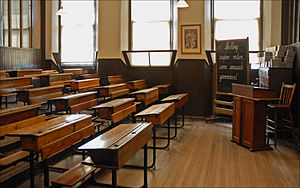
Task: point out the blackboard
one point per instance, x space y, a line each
232 57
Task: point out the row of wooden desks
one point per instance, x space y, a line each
50 137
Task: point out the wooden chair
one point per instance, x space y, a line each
282 119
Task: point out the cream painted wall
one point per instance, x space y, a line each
194 14
36 24
48 28
272 23
109 27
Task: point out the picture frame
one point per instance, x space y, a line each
191 39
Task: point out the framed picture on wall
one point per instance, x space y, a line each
191 39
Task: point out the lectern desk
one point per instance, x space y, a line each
249 115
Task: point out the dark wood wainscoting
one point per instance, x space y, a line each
20 58
188 75
296 79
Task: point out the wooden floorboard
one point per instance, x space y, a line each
203 156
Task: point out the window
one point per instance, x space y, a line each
78 32
151 25
238 19
15 25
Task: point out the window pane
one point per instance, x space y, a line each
139 59
3 22
142 10
151 36
78 31
75 47
15 23
237 9
160 58
25 23
237 30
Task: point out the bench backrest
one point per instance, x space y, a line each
21 124
83 106
14 82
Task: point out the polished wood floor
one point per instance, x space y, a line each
203 156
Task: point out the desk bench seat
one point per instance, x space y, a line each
73 176
13 158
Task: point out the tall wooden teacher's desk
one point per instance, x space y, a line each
249 115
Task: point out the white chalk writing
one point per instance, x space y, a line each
224 57
227 77
231 46
223 67
236 67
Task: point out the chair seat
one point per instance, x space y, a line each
278 106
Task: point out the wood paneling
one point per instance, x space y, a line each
296 79
20 58
190 76
195 78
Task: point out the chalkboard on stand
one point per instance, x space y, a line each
232 57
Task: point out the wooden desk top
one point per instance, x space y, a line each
108 139
86 80
154 109
114 103
43 128
74 96
173 98
135 81
144 91
14 78
255 99
162 85
42 88
18 109
110 86
115 147
29 70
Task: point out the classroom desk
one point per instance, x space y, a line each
115 109
179 101
39 95
157 115
114 148
136 84
147 96
85 85
113 91
163 89
65 103
51 137
14 114
107 80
